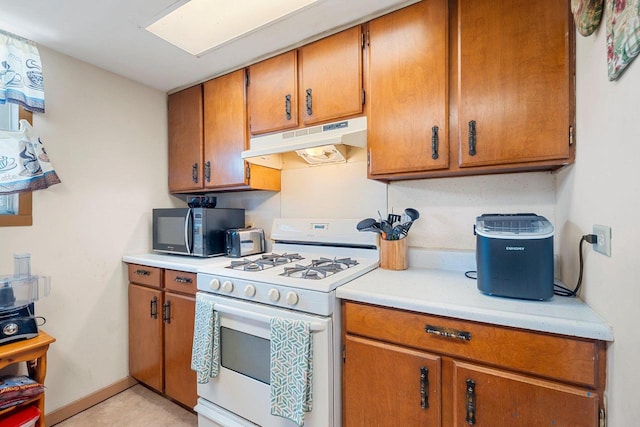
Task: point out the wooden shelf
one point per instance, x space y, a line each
33 351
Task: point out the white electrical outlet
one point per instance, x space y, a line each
603 233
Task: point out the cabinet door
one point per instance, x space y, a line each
185 139
490 397
180 381
272 94
331 77
145 335
225 130
408 93
514 81
388 385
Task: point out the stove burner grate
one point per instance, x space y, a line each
319 268
264 262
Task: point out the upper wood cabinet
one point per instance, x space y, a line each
471 87
185 121
208 130
407 54
316 83
330 77
225 124
462 87
515 98
272 93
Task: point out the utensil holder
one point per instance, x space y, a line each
393 254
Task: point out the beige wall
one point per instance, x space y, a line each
602 188
106 137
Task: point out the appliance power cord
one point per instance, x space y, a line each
564 291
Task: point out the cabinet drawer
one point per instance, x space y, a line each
180 281
563 358
144 275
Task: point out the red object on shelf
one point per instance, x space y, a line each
26 417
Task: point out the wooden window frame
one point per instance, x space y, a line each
25 200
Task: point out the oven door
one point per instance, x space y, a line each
242 388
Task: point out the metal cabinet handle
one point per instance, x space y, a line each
309 103
472 138
435 142
447 332
153 308
181 279
424 388
207 171
194 173
471 402
166 312
287 106
141 272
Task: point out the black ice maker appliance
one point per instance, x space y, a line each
514 255
18 292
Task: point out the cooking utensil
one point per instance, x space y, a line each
365 224
401 230
369 224
412 213
393 218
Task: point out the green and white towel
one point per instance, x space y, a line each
291 369
205 355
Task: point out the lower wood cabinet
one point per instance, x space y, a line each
161 319
146 358
406 368
389 385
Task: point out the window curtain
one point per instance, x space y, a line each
24 163
21 79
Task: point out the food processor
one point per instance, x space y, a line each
18 292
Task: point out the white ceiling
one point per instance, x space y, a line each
110 34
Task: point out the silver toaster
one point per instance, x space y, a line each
244 241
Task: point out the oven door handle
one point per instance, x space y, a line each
262 318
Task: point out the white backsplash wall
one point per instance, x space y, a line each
449 206
332 191
260 207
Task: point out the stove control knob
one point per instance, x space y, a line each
274 295
249 291
227 286
214 284
292 298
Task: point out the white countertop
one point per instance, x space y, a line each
449 293
172 262
441 289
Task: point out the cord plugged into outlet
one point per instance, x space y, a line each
602 242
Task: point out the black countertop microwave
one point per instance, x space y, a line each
194 231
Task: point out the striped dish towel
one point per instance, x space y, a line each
205 354
291 369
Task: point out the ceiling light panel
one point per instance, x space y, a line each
199 26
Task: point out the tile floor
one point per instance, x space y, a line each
134 407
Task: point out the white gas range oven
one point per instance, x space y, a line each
297 280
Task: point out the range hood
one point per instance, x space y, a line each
320 144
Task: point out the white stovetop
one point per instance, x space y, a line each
442 289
